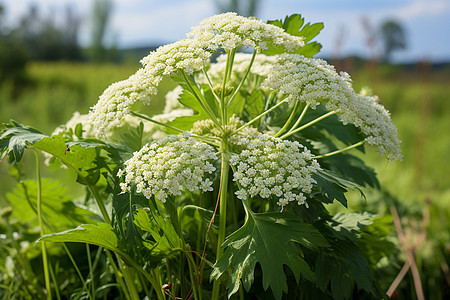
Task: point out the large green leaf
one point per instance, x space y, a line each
100 234
272 240
58 209
15 138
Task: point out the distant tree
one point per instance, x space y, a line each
13 56
393 37
46 40
101 14
246 8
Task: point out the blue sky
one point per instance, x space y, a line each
143 22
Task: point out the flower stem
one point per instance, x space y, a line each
41 224
226 77
100 203
222 213
260 116
205 107
154 121
289 120
243 79
340 150
300 118
308 124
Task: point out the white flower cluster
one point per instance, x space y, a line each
314 80
268 166
116 101
230 31
169 166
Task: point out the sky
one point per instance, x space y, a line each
137 23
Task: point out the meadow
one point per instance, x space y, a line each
417 97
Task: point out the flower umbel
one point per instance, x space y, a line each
169 166
268 166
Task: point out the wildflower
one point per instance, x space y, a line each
117 100
169 166
230 31
289 176
314 81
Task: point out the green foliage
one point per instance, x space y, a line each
60 211
294 24
268 239
100 234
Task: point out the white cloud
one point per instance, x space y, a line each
422 8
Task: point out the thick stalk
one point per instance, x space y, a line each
222 213
41 225
340 150
308 124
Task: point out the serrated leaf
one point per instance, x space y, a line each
59 212
268 239
165 238
295 25
333 186
15 138
188 99
81 156
100 234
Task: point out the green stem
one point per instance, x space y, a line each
226 77
340 151
202 103
222 213
129 281
41 224
243 79
308 124
117 273
100 203
144 117
300 118
260 116
211 86
91 269
291 117
77 270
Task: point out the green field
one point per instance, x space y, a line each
418 98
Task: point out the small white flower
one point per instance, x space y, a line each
314 81
168 166
284 179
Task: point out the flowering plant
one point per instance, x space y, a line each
229 185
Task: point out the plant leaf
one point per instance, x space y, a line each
59 212
100 234
295 25
272 240
15 138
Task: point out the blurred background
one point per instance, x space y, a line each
57 56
